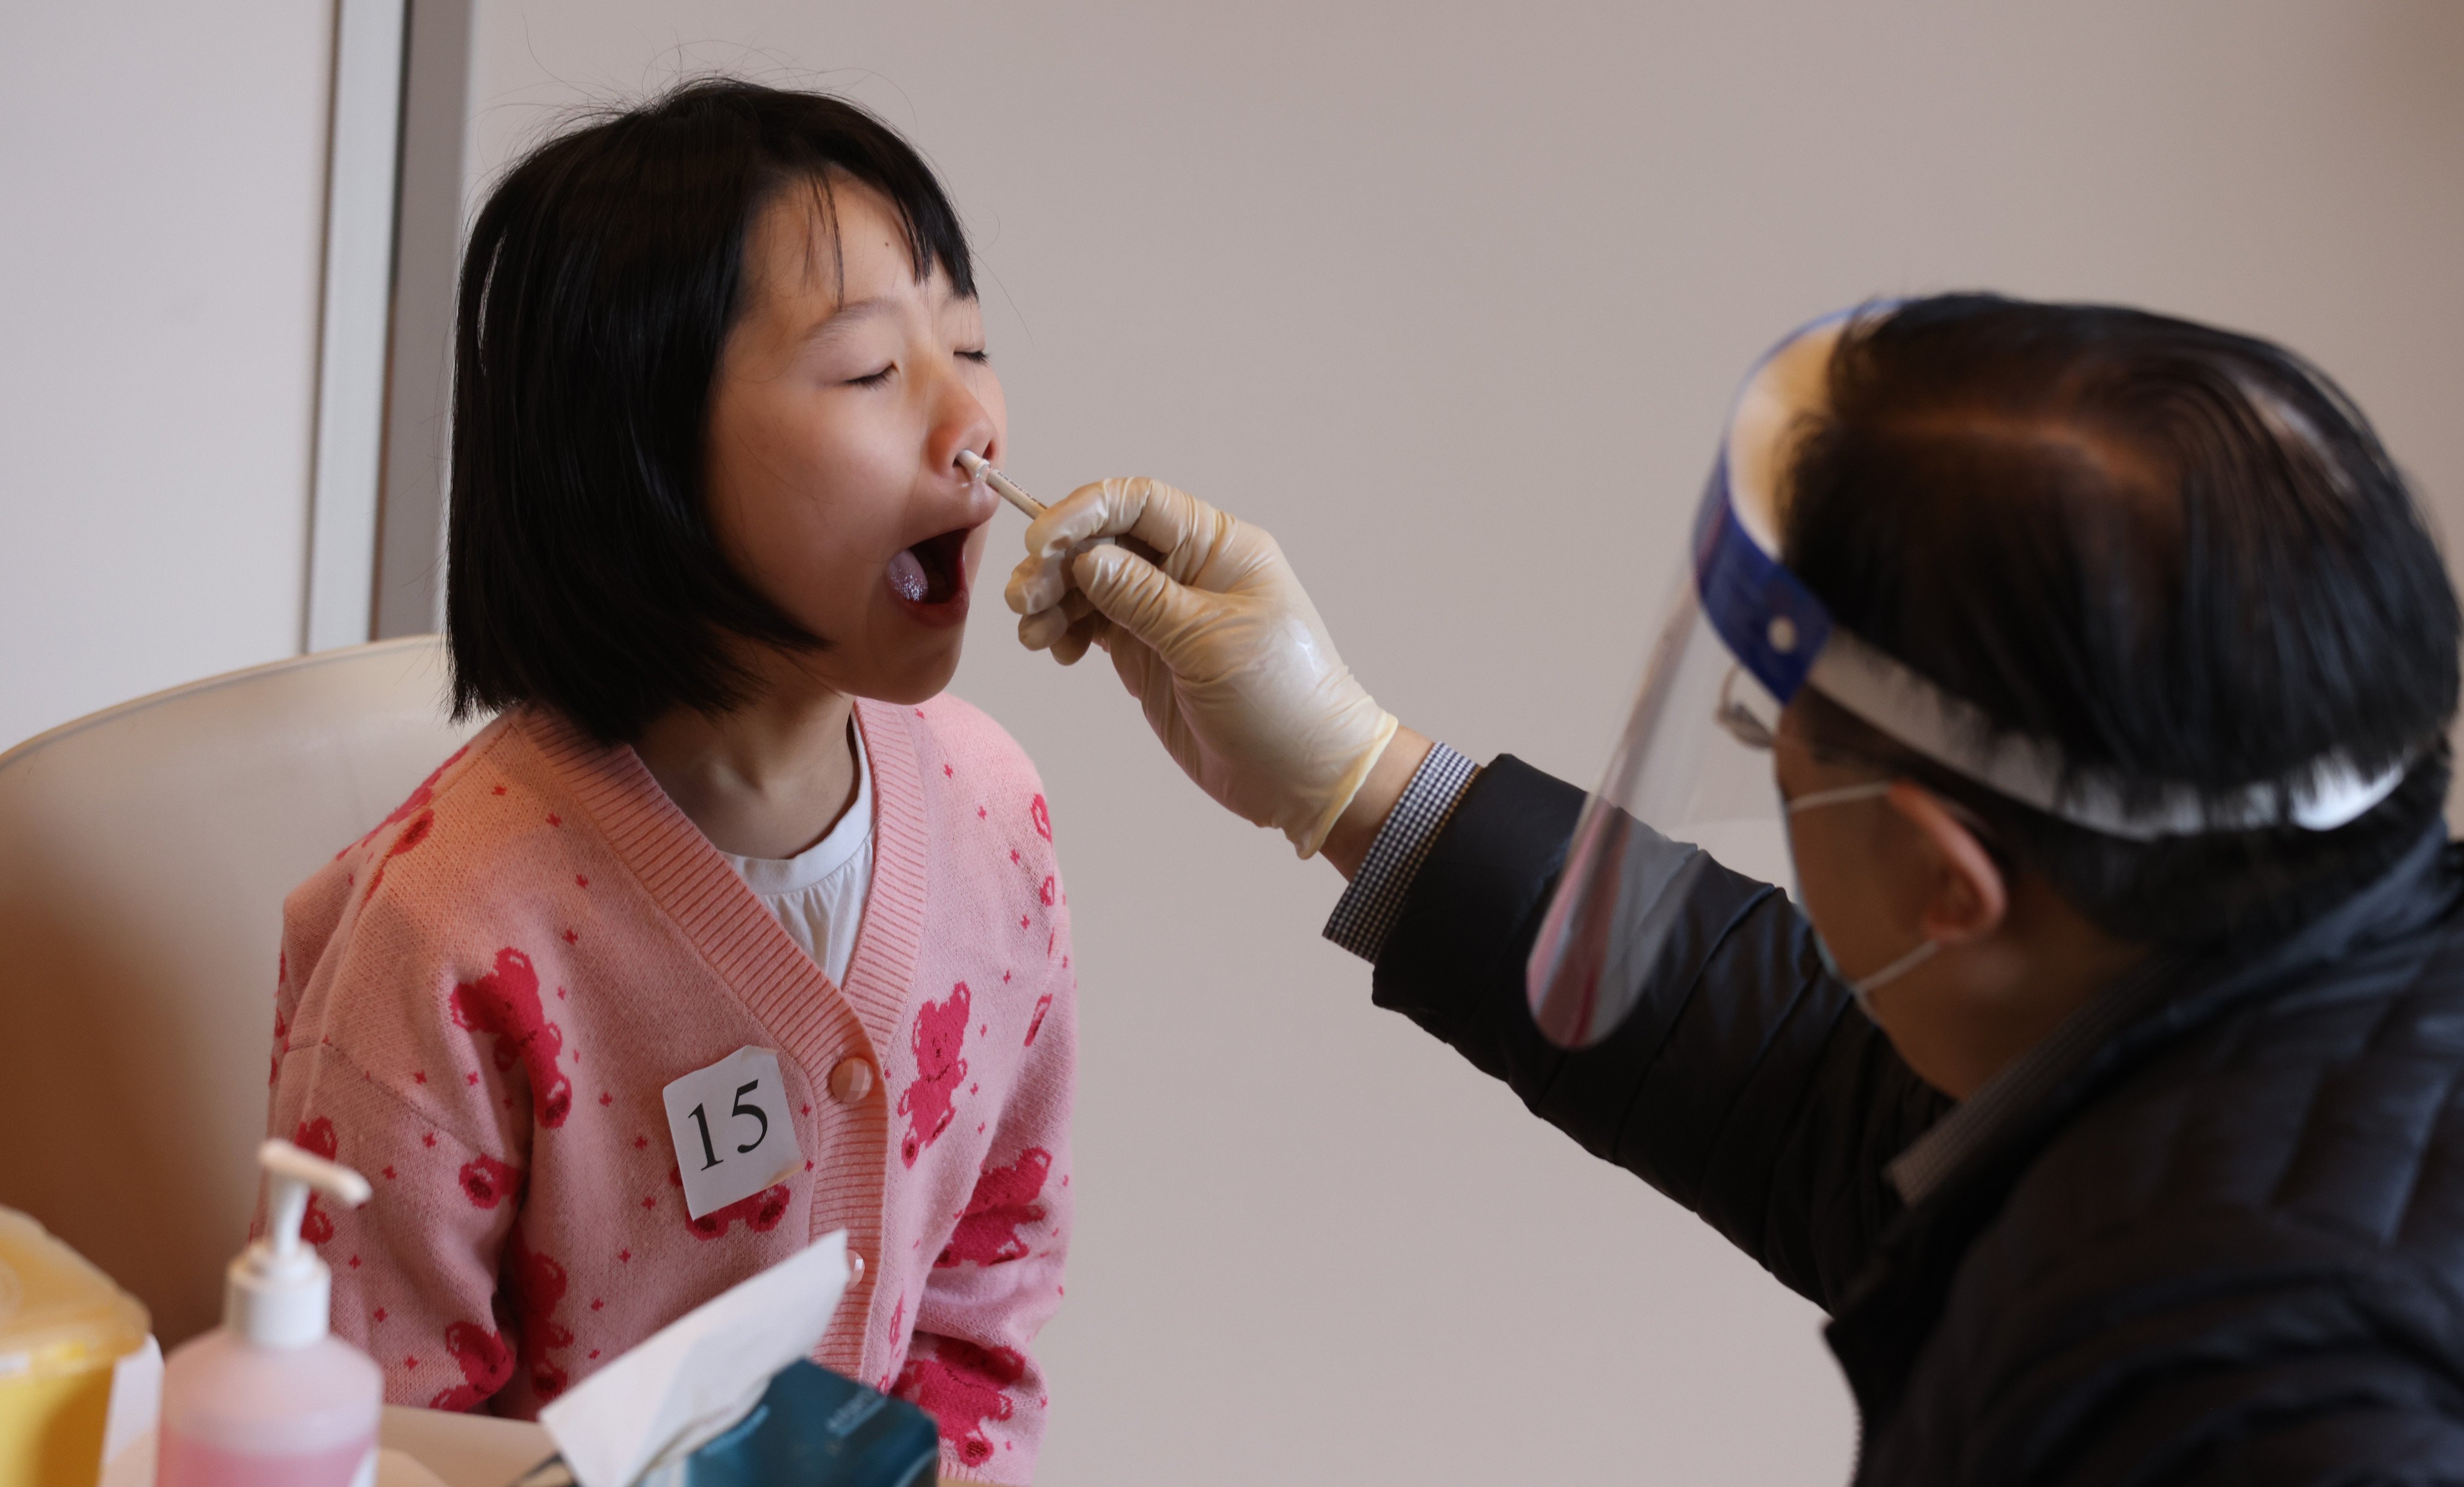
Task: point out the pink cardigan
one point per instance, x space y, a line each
481 1000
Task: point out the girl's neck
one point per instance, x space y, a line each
768 780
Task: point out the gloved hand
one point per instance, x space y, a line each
1218 643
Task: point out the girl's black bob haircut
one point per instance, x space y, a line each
603 277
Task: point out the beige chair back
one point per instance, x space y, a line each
144 853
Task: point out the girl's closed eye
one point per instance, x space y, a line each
979 356
873 379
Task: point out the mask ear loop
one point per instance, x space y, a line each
1742 725
1862 988
1865 987
1870 790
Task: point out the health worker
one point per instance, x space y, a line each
2084 675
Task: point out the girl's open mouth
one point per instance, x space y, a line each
931 578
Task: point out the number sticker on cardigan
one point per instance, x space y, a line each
731 1132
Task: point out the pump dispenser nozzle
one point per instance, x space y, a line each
278 1292
269 1396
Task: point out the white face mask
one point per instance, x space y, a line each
1862 988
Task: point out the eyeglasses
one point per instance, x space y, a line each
1739 720
1737 717
1741 723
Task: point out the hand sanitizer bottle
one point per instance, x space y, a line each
269 1399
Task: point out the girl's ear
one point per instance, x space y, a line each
1967 898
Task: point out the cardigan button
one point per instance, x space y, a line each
850 1082
855 1267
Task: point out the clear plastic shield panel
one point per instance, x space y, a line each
1691 783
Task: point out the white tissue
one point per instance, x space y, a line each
701 1373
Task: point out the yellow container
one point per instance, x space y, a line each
62 1326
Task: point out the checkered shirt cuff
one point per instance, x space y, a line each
1366 914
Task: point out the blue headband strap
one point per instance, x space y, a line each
1770 621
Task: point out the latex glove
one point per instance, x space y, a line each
1216 640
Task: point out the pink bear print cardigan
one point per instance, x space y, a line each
482 1001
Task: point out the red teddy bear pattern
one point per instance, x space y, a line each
540 1285
411 836
506 1002
414 810
413 804
488 1182
963 1385
537 1283
761 1211
939 1033
1005 1198
317 1139
487 1367
962 1388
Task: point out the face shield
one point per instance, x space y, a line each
1693 770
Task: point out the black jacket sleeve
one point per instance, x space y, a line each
1745 1084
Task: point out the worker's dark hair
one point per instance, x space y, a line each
603 277
2179 553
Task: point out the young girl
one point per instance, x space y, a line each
731 930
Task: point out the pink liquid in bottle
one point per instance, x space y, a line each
193 1463
236 1414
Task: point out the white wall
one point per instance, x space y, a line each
161 199
1451 297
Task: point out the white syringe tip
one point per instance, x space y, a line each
970 462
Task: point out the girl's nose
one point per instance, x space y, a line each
964 423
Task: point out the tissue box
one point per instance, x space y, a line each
812 1428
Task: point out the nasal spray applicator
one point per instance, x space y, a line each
978 468
270 1399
